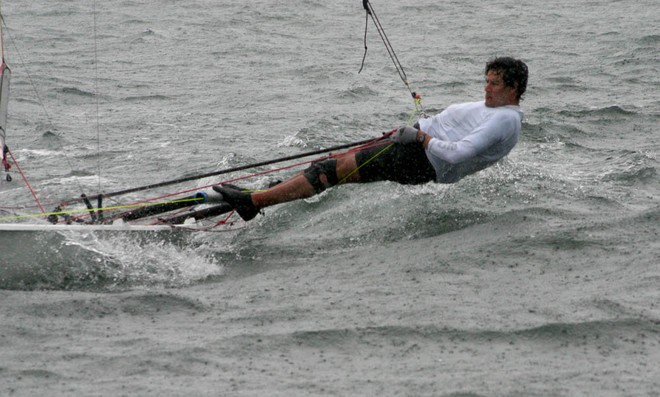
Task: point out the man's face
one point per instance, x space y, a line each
497 94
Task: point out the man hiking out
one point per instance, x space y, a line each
459 141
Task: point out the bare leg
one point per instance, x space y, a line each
298 187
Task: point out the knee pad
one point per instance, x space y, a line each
325 167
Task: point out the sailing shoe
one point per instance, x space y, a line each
241 201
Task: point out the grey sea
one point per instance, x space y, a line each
537 277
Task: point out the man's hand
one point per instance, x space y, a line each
405 135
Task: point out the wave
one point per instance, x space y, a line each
357 92
631 177
149 303
408 339
27 153
650 39
102 261
141 98
607 111
630 168
76 91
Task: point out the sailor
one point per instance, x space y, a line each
459 141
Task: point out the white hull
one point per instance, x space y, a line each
25 227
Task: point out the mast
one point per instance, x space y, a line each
5 75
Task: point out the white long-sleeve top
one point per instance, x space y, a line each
469 137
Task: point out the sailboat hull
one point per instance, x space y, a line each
37 227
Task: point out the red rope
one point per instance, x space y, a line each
20 171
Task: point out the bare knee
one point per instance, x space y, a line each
347 169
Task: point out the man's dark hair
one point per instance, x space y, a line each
513 72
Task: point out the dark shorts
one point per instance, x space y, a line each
406 164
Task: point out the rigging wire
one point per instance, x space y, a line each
49 120
390 50
96 95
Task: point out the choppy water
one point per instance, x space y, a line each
536 277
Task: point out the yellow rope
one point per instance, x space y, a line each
418 106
